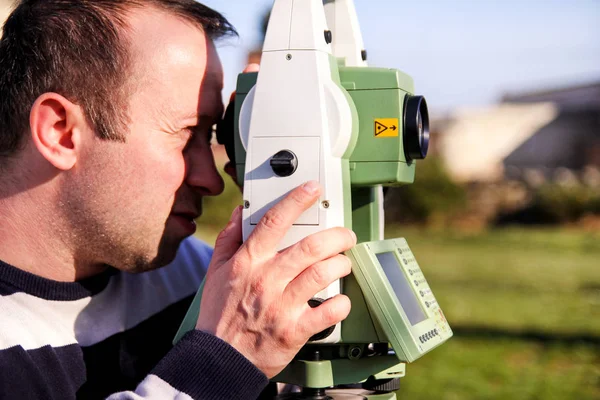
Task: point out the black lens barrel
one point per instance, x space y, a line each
416 128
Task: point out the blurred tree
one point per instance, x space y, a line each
432 193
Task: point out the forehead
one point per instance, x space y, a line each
174 64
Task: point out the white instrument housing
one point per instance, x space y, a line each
297 106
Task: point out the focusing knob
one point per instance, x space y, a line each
382 385
284 163
416 128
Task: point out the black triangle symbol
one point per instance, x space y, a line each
380 128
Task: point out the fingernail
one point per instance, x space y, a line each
353 235
311 187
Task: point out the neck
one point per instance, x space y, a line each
33 239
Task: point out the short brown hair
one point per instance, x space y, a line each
76 48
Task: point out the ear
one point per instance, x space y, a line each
56 126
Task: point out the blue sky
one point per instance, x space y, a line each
460 52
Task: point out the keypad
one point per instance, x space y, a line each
428 336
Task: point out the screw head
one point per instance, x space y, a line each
325 204
246 204
355 352
288 57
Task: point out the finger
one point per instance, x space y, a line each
317 277
229 240
314 248
277 221
252 67
329 313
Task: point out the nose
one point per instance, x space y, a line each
202 174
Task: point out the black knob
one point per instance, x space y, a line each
382 385
284 163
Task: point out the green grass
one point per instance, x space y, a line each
504 370
518 280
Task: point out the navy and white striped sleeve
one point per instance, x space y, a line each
200 366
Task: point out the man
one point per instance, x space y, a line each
106 109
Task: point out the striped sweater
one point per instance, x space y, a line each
110 336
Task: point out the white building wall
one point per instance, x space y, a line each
474 145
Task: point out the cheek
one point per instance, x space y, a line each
149 176
164 173
159 162
175 171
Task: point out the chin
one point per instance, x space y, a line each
167 251
144 264
148 259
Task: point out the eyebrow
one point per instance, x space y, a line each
198 118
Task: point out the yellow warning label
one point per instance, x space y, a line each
386 127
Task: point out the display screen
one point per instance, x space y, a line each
402 289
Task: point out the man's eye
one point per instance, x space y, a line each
186 133
198 134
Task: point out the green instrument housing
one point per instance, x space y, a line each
377 93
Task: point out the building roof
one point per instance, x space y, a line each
582 97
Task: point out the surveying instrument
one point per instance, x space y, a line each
316 111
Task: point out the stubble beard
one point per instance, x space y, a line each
101 235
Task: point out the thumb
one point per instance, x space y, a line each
253 67
229 240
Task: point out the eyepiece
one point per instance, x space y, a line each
225 131
416 128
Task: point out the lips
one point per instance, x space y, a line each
190 215
185 220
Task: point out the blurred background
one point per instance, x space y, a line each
504 214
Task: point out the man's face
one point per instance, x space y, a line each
133 203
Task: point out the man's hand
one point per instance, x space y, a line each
255 298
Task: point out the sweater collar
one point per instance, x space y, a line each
14 280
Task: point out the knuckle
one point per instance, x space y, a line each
287 336
252 250
299 197
311 246
272 220
222 235
237 266
319 274
258 288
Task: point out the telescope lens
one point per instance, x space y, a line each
416 128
